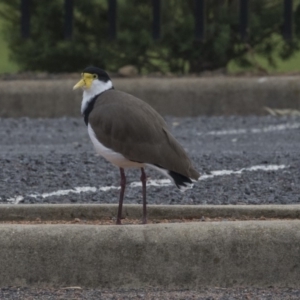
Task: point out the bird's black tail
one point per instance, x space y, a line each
181 181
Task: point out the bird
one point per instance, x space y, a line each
129 133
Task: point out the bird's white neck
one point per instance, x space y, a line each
96 88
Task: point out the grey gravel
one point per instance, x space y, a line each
242 293
45 155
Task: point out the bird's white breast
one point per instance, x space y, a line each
115 158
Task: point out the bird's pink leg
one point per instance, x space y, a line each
143 179
123 185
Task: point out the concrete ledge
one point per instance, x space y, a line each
69 212
169 256
163 255
176 96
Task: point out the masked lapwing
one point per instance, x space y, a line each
129 133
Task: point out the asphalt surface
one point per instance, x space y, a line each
43 156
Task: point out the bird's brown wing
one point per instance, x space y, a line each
131 127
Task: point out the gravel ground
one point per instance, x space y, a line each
46 155
12 293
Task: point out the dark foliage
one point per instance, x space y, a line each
177 50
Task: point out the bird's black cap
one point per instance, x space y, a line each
102 75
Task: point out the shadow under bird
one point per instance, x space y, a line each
129 133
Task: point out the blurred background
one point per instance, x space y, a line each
167 37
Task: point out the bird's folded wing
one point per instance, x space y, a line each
131 127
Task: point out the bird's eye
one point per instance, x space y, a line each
95 76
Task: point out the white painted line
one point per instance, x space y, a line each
254 168
76 190
107 188
271 128
151 182
15 200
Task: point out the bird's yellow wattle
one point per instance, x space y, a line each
85 82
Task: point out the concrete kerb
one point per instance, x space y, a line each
169 96
169 256
69 212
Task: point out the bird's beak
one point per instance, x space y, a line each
79 84
85 82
